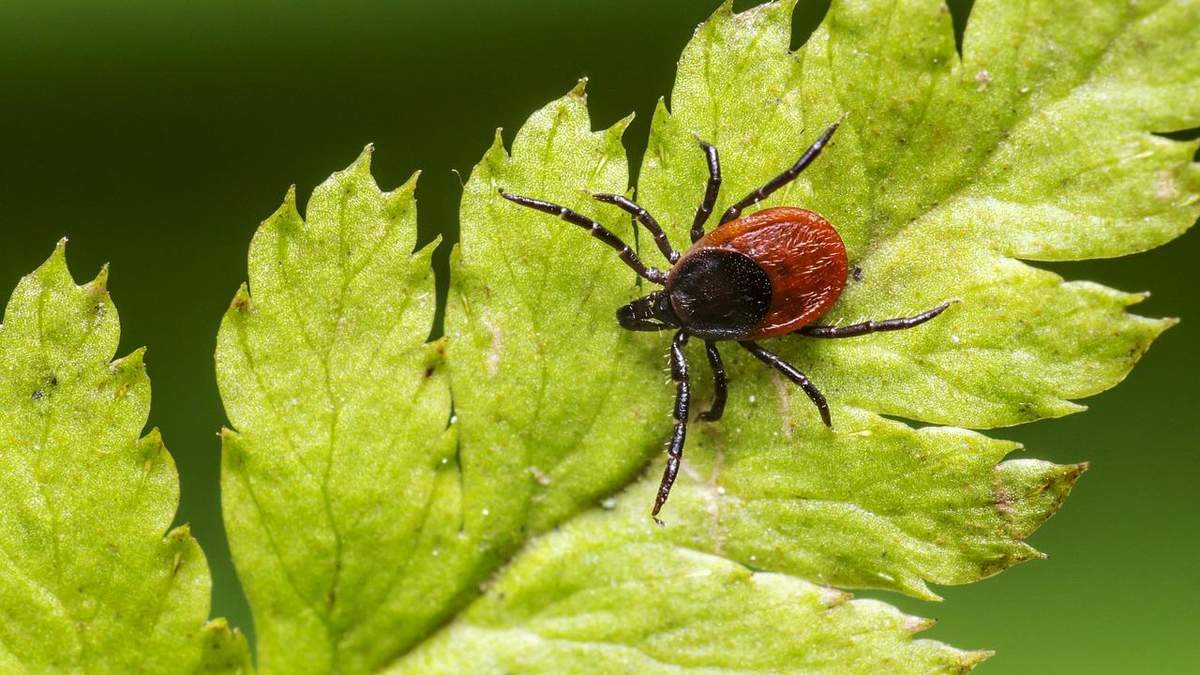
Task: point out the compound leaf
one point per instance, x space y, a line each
517 538
88 581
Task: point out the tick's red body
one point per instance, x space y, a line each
802 255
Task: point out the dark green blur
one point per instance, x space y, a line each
156 135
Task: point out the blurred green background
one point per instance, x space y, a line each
156 135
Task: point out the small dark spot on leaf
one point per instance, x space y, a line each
429 372
856 273
48 382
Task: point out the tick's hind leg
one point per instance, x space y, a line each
794 375
865 327
683 399
720 383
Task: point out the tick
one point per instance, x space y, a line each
765 275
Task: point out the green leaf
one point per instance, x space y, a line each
539 373
340 483
88 581
373 535
592 599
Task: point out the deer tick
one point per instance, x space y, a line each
764 275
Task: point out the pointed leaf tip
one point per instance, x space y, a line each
131 366
241 299
918 624
99 284
224 649
410 185
54 269
620 126
974 658
152 442
367 151
180 535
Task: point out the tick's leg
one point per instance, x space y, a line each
782 179
598 231
710 191
640 215
683 399
794 375
872 326
720 383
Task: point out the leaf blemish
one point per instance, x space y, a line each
539 476
493 358
982 79
1165 185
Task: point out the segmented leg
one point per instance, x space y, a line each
683 399
720 383
794 375
642 216
710 191
598 231
865 327
782 179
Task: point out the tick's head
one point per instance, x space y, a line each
646 311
